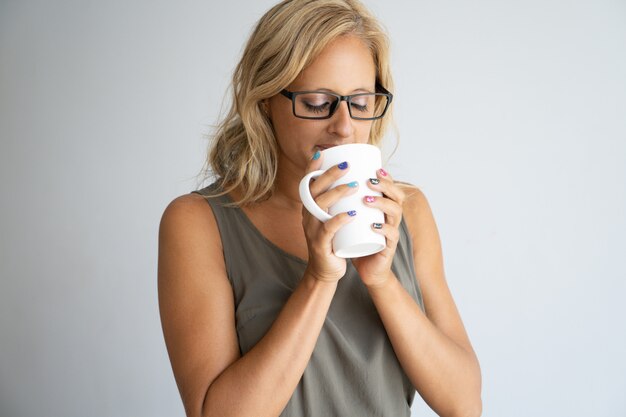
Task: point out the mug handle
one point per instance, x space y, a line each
307 198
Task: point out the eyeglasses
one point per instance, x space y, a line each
322 105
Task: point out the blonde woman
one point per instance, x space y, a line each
259 317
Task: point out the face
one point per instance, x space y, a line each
345 67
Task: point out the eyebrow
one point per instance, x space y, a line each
355 91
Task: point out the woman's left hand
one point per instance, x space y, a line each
375 269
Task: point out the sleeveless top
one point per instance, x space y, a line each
353 370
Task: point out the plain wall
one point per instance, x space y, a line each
512 121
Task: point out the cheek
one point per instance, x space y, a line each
363 131
292 132
284 123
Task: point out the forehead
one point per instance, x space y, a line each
345 65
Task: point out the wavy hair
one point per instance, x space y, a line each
244 150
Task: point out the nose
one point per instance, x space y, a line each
341 124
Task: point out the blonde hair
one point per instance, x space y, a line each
244 151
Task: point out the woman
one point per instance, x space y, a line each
259 317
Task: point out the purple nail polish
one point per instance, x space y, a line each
352 213
343 165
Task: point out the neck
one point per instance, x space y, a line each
286 194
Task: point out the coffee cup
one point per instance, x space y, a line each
356 238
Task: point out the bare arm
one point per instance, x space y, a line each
433 348
197 314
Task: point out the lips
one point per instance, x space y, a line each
325 146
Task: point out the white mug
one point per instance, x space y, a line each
356 238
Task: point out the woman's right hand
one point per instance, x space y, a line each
323 265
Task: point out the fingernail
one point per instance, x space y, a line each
353 184
369 199
352 213
383 172
316 155
377 225
374 181
343 165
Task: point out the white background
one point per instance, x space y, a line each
512 120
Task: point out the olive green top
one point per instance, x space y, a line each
353 370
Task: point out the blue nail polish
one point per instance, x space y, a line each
316 155
353 184
343 165
377 225
352 213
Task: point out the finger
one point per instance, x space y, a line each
315 162
385 184
392 210
382 173
383 176
324 181
338 221
392 234
330 228
330 197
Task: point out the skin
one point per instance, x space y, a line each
196 302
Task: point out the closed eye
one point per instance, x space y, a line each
322 108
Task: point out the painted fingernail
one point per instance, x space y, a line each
353 184
374 181
316 155
377 225
369 199
352 213
343 165
383 172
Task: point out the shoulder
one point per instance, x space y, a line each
411 192
189 220
190 207
419 219
415 202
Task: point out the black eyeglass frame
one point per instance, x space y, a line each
380 91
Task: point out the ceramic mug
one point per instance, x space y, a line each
356 238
